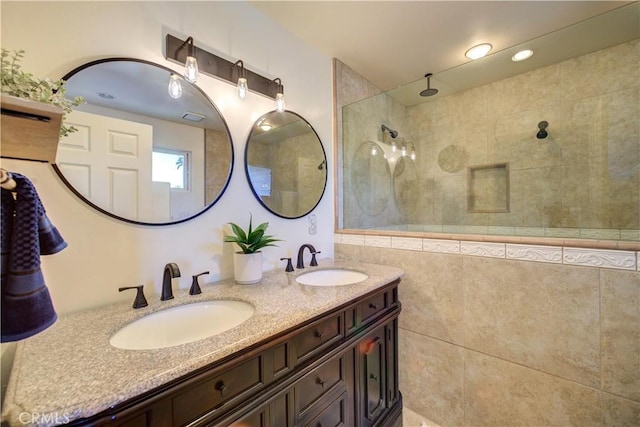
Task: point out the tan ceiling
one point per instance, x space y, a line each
393 43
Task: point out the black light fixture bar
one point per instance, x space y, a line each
215 66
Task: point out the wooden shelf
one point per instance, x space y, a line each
30 129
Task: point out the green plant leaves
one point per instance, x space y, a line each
252 240
16 82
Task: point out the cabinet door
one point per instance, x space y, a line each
392 363
372 358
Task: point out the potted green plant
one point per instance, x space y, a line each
247 263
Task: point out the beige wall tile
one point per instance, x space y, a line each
620 312
619 412
431 378
499 393
541 315
357 253
430 292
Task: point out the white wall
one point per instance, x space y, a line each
104 253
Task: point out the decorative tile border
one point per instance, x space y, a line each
441 246
625 260
353 239
492 250
377 241
537 253
407 243
602 258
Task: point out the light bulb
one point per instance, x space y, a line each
403 151
242 88
191 69
394 146
175 87
280 102
413 155
374 151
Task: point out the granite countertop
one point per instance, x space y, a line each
70 370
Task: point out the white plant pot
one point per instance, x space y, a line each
247 268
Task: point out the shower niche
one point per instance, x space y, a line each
488 188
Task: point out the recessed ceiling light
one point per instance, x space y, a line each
522 55
478 51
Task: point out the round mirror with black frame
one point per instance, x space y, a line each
143 152
286 164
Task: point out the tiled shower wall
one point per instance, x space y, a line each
507 335
584 175
512 335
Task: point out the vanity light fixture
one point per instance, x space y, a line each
478 51
216 66
279 95
522 55
191 63
175 87
243 86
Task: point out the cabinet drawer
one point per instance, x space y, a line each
220 389
370 308
318 383
335 414
317 338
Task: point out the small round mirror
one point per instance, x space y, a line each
286 165
141 154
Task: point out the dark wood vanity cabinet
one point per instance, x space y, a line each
339 369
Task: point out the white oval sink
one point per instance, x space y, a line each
331 277
182 324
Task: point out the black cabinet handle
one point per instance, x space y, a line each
223 389
318 334
373 377
373 306
320 382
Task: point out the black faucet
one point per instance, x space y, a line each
300 262
195 287
140 300
171 270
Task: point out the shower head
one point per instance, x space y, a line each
429 91
542 132
393 133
